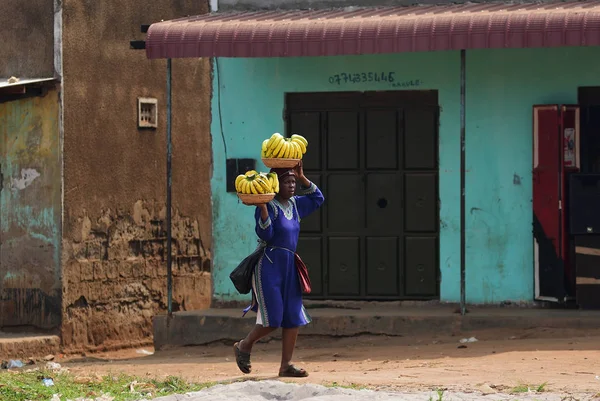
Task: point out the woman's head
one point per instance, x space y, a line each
287 182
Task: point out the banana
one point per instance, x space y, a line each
265 186
265 177
288 150
250 173
275 136
281 152
270 185
278 149
260 187
264 147
246 187
297 151
274 142
301 139
300 144
266 153
253 185
238 180
274 182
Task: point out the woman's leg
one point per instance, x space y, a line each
288 343
243 348
286 369
254 336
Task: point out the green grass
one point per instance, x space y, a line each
351 386
525 388
23 386
440 396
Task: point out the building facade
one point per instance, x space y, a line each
83 199
382 113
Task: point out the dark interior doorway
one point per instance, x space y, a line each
589 101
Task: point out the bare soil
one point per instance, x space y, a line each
566 360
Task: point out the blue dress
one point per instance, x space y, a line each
277 296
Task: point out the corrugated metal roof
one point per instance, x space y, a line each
377 30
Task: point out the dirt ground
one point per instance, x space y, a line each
567 360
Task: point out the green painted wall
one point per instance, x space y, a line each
30 214
502 86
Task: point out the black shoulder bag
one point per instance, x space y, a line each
241 276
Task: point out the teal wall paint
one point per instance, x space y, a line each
30 212
502 86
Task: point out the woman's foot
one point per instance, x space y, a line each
292 371
242 359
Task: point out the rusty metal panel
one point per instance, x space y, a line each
377 30
30 213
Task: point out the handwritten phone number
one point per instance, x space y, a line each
344 78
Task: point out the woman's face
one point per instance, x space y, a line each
287 187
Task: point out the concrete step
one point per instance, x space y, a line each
206 326
23 346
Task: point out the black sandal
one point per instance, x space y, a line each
242 359
292 371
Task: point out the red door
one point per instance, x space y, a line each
548 178
570 136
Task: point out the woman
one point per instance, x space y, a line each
276 295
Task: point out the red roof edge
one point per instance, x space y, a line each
377 30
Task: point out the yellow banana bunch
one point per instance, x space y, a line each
256 183
288 148
274 181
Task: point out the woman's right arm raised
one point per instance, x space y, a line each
264 222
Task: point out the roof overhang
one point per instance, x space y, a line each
8 82
13 86
354 31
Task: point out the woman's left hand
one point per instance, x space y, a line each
299 172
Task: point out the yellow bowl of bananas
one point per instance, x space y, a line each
281 152
254 188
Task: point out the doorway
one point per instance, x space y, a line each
375 156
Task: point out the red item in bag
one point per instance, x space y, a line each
303 275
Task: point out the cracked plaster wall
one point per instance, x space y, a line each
115 176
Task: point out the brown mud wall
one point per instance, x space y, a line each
114 239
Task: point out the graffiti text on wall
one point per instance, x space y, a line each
362 77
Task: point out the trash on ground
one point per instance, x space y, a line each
14 363
144 352
468 340
53 366
48 382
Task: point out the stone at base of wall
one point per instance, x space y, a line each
20 346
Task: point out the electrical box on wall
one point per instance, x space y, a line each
147 112
235 167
